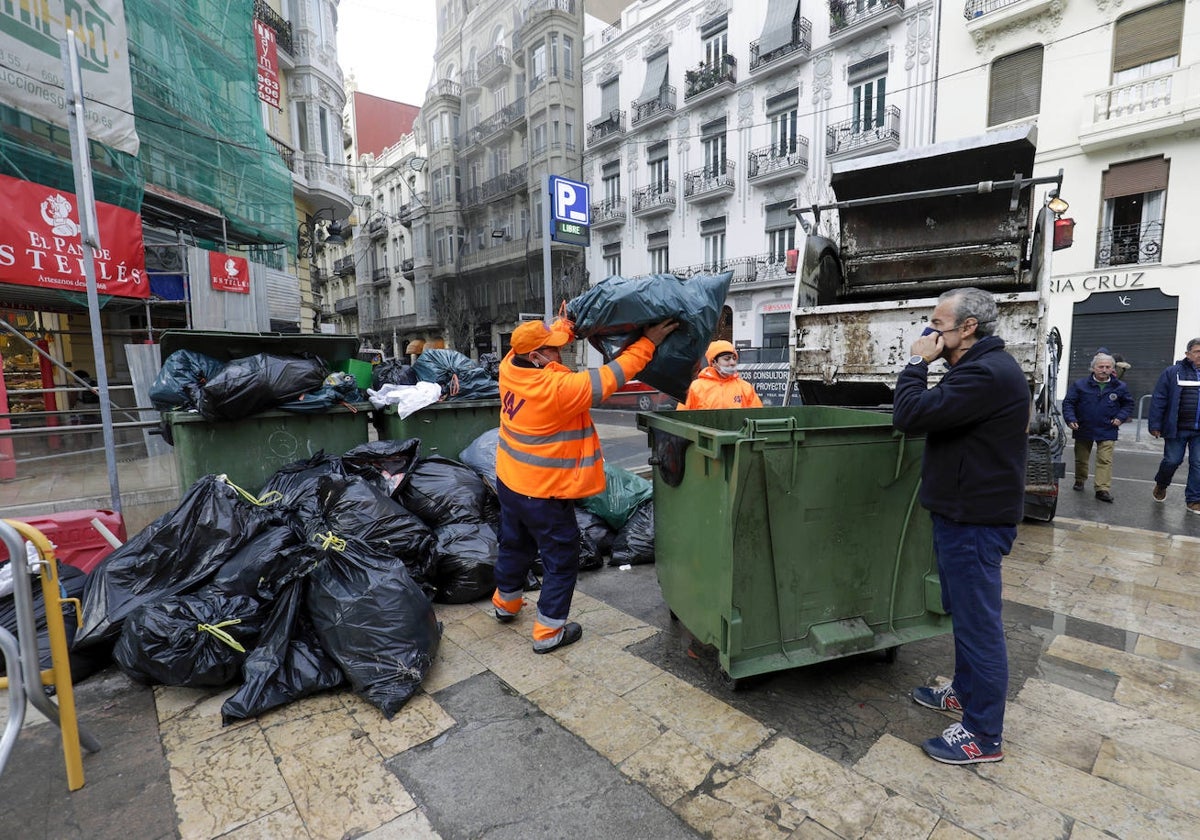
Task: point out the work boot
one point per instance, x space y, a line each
1160 493
506 609
569 634
1104 496
1078 485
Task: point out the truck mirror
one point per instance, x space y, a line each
1064 233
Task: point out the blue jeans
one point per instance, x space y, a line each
529 527
1173 457
968 559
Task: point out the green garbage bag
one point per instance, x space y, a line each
623 493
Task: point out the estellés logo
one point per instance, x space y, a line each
231 269
56 212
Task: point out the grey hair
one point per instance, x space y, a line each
1100 356
1193 343
974 303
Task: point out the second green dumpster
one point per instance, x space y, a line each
789 536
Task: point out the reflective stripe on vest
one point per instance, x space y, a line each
557 437
618 373
549 463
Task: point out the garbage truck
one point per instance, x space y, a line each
910 225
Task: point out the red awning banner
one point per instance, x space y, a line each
40 242
268 63
229 274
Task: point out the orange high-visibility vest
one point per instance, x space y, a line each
548 447
711 390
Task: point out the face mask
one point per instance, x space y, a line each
727 368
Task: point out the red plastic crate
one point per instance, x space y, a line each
75 541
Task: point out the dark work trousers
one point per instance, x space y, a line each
968 558
529 527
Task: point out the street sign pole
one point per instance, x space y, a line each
547 280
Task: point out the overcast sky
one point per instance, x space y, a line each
388 46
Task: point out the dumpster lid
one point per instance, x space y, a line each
226 346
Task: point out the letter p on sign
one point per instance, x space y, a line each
570 201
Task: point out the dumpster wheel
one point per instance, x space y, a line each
730 683
889 654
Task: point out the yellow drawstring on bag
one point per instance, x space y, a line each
221 635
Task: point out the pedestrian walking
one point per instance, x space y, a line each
973 484
1175 417
719 385
549 456
1094 408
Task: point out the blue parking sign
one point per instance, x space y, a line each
570 201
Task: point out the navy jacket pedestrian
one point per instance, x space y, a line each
1094 408
1164 404
975 435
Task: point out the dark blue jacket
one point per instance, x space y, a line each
1094 408
1164 405
975 424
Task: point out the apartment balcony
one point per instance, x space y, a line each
654 109
709 183
988 16
777 162
792 54
471 87
855 138
504 251
507 184
286 153
414 210
408 269
1156 106
687 272
608 213
284 38
539 10
762 270
513 113
495 65
343 306
849 19
654 199
1129 245
377 227
611 34
606 130
710 81
443 89
381 276
344 266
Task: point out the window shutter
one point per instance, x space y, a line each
658 238
656 75
1136 177
713 129
1016 86
1147 35
712 27
610 169
867 69
612 249
610 98
778 216
783 102
656 153
777 30
711 226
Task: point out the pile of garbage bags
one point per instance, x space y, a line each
192 381
438 374
327 577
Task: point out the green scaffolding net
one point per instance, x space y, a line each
193 67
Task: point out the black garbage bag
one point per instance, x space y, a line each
392 372
353 506
460 378
196 641
177 386
256 570
623 492
611 314
635 541
490 362
386 462
251 384
441 491
338 389
466 562
296 484
595 539
373 618
287 664
176 554
70 584
480 455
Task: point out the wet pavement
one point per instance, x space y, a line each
633 733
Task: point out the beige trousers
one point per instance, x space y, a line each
1104 459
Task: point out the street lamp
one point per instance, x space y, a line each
312 237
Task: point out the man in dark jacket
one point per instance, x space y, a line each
1175 417
973 484
1094 408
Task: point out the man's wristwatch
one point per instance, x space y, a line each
917 360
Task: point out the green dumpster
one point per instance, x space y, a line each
445 428
250 450
789 536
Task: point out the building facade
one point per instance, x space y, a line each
706 121
1114 89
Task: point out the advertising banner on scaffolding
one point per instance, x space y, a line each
229 274
40 243
268 63
31 66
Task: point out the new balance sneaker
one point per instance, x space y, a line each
1159 493
943 699
958 746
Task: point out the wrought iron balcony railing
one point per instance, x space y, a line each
798 47
654 198
778 157
606 128
855 133
978 8
654 106
846 13
1129 244
708 76
710 180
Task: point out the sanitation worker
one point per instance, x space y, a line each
973 485
549 456
719 385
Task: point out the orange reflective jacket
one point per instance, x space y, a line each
711 390
549 448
